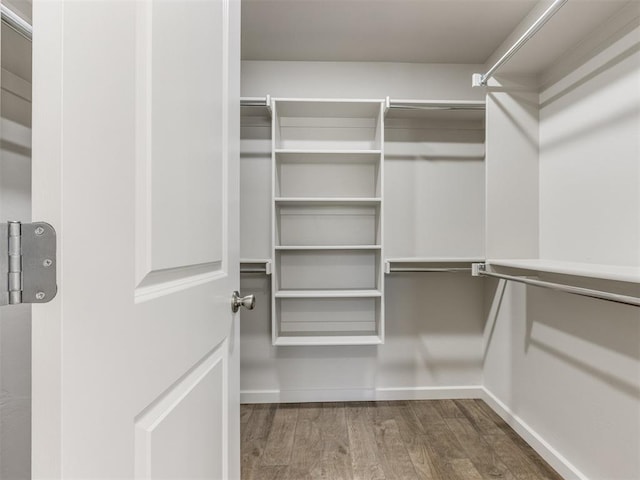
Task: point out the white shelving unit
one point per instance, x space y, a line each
328 278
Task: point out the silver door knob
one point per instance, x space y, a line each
247 302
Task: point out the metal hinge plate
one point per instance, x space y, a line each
27 263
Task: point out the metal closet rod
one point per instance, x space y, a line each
397 104
429 269
16 22
265 269
480 79
435 106
255 101
584 292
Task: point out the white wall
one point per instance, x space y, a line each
434 322
359 80
567 368
590 161
15 204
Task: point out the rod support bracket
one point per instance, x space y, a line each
477 80
477 269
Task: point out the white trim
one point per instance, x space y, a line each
567 470
430 393
165 282
362 394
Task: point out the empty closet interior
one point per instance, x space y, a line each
393 211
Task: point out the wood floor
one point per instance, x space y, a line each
435 440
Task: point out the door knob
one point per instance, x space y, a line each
247 302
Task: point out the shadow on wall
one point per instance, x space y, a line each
586 333
580 332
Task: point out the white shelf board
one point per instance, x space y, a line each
328 247
327 201
371 293
591 270
327 108
329 340
317 151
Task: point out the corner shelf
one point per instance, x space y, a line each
327 164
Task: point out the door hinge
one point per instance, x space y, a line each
27 262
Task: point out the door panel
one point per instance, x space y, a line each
135 362
171 433
181 47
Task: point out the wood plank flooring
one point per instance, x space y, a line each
431 440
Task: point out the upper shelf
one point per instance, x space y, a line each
590 270
328 108
327 124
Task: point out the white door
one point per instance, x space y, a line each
135 163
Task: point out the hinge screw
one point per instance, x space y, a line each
39 231
40 295
47 263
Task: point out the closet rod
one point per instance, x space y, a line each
265 267
428 269
480 79
254 101
585 292
253 270
407 105
16 22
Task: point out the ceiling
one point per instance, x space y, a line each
418 31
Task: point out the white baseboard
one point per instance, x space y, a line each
544 449
429 393
360 395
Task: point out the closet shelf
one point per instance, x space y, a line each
312 201
320 151
371 293
590 270
328 340
327 247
